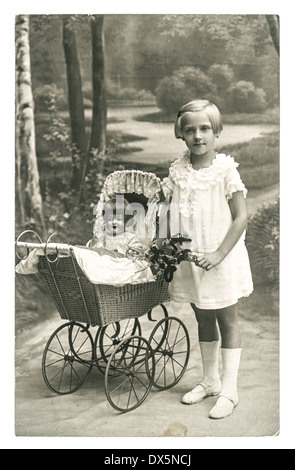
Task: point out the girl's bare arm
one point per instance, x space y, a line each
239 214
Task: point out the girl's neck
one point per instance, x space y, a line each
202 161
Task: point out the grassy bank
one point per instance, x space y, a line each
259 160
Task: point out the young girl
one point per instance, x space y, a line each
209 193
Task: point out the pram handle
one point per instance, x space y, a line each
53 247
49 246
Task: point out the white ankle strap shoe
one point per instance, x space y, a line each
201 391
223 407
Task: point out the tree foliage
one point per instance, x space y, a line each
262 241
143 49
219 85
245 97
184 85
231 30
232 51
222 75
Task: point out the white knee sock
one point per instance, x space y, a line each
231 364
209 353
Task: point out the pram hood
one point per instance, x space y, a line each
132 181
127 182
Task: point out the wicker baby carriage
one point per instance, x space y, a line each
102 327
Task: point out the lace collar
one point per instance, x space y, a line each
187 161
189 182
221 159
183 173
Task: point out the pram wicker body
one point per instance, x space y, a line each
77 299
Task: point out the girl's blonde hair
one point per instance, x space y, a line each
199 105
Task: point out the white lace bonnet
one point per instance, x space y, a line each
129 182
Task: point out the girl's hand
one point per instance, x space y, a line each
210 260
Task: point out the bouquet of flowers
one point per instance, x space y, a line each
165 255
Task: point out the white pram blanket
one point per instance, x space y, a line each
98 268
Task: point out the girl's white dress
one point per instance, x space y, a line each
200 210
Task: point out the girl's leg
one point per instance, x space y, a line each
207 325
209 346
231 352
228 322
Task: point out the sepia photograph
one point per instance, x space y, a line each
147 226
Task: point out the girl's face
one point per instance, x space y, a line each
198 134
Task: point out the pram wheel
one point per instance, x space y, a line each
130 373
62 370
171 345
109 336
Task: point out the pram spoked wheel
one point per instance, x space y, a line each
171 346
130 373
109 336
62 370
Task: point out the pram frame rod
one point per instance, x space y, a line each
45 246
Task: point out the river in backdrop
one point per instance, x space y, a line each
156 142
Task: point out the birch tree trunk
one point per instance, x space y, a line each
76 106
28 185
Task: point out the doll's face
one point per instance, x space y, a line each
115 223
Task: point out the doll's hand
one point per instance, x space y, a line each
159 243
210 260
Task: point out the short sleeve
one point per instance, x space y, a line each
233 182
167 187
